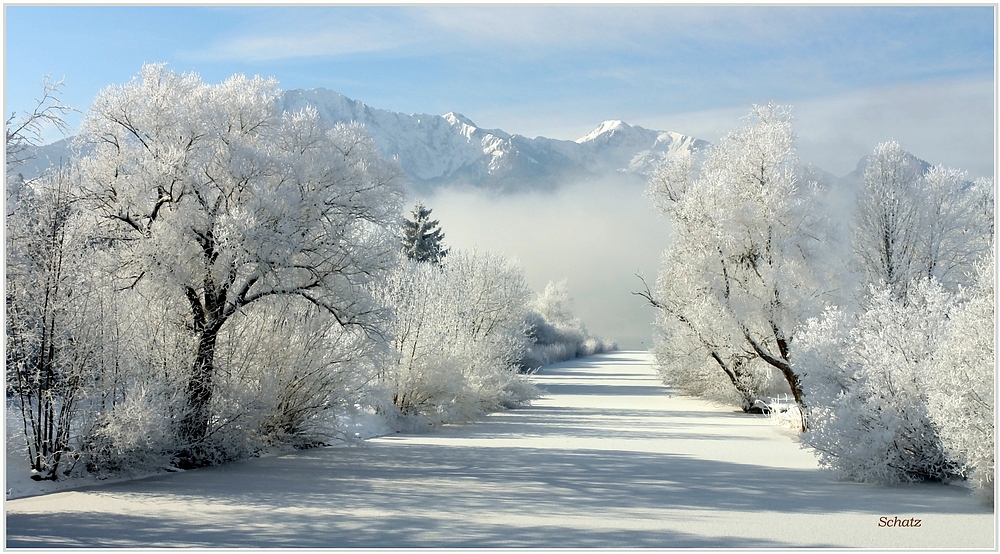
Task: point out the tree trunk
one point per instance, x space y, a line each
194 425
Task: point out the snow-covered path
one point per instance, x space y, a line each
607 459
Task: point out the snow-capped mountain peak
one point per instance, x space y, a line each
459 119
608 127
466 127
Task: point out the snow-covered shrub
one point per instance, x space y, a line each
867 411
555 334
135 435
822 356
140 364
595 345
458 332
285 372
491 297
425 374
959 383
783 411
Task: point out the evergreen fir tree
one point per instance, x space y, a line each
421 237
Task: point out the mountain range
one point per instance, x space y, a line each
436 150
450 149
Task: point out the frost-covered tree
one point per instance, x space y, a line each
986 204
954 229
738 278
885 236
226 203
556 305
422 237
696 354
50 335
49 328
914 224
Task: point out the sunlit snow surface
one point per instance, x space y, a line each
608 459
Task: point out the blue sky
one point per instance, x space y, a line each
855 75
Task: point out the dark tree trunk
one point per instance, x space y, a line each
208 314
194 424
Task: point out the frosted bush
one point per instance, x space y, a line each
867 413
425 375
135 435
538 355
594 345
960 380
820 354
286 371
782 411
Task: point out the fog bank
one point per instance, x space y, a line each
596 235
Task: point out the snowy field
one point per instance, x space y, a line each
607 459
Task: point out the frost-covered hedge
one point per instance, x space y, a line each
457 333
555 334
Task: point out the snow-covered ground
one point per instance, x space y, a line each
607 459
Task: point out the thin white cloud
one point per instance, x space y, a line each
341 30
299 45
599 26
276 34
